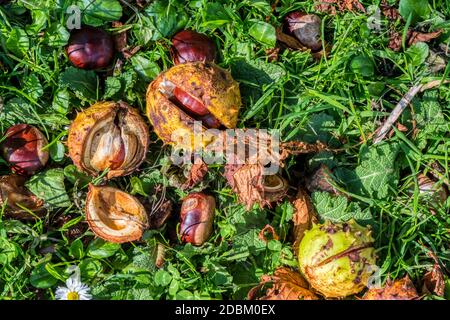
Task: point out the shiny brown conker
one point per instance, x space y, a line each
22 149
197 216
90 48
191 46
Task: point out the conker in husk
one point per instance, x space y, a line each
90 48
189 92
305 28
22 149
191 46
197 216
336 258
108 135
18 199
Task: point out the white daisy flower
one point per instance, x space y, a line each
74 289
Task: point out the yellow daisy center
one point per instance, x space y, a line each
72 295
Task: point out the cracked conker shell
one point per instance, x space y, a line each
305 28
90 48
16 196
191 46
108 135
197 216
335 258
114 215
22 149
202 85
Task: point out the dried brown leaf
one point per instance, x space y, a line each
270 230
286 285
247 182
272 54
433 281
332 6
321 180
299 147
402 289
304 216
196 175
389 11
120 39
416 36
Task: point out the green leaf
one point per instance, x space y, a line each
319 127
56 35
145 67
82 82
90 268
215 16
376 175
73 175
97 12
363 66
263 33
418 9
49 186
162 278
418 53
161 19
61 101
184 295
337 209
57 151
100 249
41 278
18 42
76 249
8 251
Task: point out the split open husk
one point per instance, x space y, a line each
203 85
108 135
115 215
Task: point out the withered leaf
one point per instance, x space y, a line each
412 37
332 6
299 147
268 229
320 180
195 175
247 182
402 289
389 11
304 216
433 281
120 39
423 37
286 284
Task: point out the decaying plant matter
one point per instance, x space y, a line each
402 289
19 202
336 258
108 135
192 92
284 284
197 217
114 215
23 149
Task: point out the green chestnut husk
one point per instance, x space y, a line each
337 258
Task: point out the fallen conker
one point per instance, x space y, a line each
114 215
305 28
108 135
22 149
191 92
431 190
18 199
90 48
197 216
335 258
191 46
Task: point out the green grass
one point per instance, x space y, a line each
305 99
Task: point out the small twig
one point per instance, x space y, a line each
401 106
